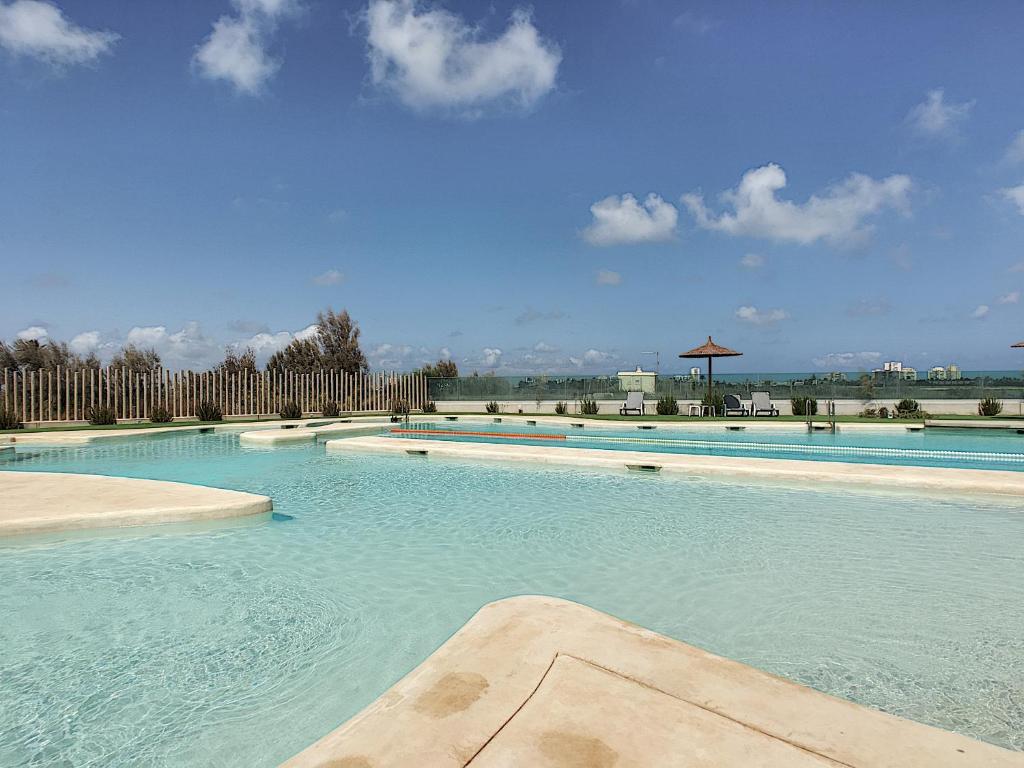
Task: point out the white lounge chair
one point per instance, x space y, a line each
761 404
634 404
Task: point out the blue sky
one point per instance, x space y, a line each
549 188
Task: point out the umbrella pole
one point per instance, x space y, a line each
709 379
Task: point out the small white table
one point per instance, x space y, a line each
700 410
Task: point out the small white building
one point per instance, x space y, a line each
638 380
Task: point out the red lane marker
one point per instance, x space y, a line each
513 435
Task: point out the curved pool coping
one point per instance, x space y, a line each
51 502
542 681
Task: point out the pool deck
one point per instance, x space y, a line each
49 502
827 473
544 682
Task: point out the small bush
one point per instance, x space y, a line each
291 410
908 408
883 412
667 406
491 407
9 419
330 410
160 415
716 401
989 406
799 406
869 413
100 415
399 407
430 407
561 408
589 406
207 411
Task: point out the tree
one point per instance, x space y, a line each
135 359
442 369
334 347
235 363
32 355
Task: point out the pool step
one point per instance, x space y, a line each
645 426
417 452
644 467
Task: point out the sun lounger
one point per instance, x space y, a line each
762 405
735 407
634 404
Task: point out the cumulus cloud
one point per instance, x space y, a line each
85 343
755 316
1010 298
431 58
491 357
837 215
848 360
330 277
752 261
1015 152
236 49
33 333
624 219
935 118
869 308
41 31
1016 196
608 277
981 311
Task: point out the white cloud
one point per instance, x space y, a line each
33 333
444 353
431 58
594 356
309 332
85 343
236 50
837 215
1018 267
608 277
1015 152
42 31
147 336
544 347
755 316
330 277
848 360
752 261
491 357
935 118
1016 196
1010 298
981 311
624 220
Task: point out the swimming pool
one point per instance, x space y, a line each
240 645
964 448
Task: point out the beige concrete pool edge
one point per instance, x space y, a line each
541 681
887 476
51 502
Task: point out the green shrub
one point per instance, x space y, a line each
399 407
491 407
716 401
291 410
989 406
100 415
667 406
207 411
561 408
330 410
869 413
430 407
799 406
589 406
908 408
160 415
883 412
9 419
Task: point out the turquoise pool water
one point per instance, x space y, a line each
241 645
964 448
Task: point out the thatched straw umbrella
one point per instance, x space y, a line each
1018 345
710 350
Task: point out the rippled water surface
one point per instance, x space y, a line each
240 645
